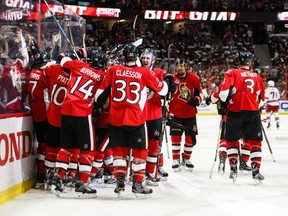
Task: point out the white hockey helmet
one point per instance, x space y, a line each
271 83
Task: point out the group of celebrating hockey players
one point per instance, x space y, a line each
104 114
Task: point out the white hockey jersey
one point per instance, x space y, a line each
272 96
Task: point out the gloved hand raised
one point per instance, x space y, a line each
169 79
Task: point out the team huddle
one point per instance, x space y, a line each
103 114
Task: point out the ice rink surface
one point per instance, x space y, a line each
185 193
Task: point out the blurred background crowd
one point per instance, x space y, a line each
209 48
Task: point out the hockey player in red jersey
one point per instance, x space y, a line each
103 160
39 102
244 151
127 85
153 121
57 80
243 91
77 129
183 108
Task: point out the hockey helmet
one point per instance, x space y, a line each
245 57
71 54
130 52
180 62
149 53
111 60
96 57
42 57
271 83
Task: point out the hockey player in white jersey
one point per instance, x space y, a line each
272 97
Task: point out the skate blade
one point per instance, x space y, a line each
150 183
221 169
177 169
245 172
163 178
142 196
257 182
188 169
120 195
221 172
78 195
40 186
234 178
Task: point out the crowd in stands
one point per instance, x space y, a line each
216 5
207 51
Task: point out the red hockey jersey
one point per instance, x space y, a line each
153 105
129 93
185 90
58 80
84 81
38 95
247 92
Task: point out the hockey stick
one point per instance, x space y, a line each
136 43
171 122
163 133
134 24
217 147
61 29
267 141
67 19
129 164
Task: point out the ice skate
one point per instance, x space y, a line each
269 125
150 180
256 176
176 165
48 177
140 190
83 191
277 125
244 168
162 172
187 164
120 185
233 170
109 177
221 167
40 181
57 182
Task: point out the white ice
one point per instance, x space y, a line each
185 193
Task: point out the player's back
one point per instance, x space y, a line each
58 80
38 94
248 90
84 81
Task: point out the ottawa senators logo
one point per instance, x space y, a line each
185 93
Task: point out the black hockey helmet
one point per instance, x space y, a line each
42 57
71 54
130 52
96 57
245 57
180 62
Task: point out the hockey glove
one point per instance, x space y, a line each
208 100
34 47
194 101
97 112
221 107
169 79
170 119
